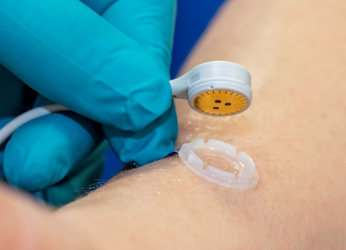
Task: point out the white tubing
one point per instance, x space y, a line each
10 127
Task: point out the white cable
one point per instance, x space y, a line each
10 127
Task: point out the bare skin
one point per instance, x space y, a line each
294 131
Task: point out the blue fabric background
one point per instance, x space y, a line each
193 17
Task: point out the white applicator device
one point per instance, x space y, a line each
213 88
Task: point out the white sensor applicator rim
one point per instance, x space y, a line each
247 179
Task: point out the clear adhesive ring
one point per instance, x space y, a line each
246 177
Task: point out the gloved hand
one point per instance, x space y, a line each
109 63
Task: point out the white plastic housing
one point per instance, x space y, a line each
247 177
209 76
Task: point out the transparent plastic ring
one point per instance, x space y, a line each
246 177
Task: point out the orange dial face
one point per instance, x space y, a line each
219 102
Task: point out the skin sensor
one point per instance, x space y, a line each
215 88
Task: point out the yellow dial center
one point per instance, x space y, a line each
219 102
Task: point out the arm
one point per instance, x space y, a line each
294 132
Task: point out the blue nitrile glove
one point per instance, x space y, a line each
108 62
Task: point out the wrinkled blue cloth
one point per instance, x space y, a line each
108 61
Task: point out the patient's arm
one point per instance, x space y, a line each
294 132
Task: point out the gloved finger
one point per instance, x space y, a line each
3 122
151 144
71 55
43 151
15 96
83 179
148 22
